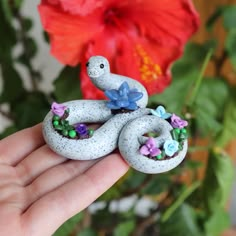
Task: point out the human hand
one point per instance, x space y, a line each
39 190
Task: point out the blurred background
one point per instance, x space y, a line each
197 198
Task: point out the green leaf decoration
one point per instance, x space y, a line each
6 6
59 127
30 109
56 117
218 181
229 123
8 38
27 24
65 132
125 228
214 17
179 135
31 51
68 227
217 223
63 122
183 222
230 46
229 16
175 134
12 84
210 104
70 127
87 232
18 3
185 71
182 137
186 192
133 179
152 188
67 85
174 97
192 164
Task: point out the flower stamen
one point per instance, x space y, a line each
148 69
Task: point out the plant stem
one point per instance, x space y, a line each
199 148
196 88
179 201
219 62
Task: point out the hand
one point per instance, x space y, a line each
39 190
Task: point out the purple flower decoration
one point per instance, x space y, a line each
81 129
58 109
171 147
177 122
150 148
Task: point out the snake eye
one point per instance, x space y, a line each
87 64
102 66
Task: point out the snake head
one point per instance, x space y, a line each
97 66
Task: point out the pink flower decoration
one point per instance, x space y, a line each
150 148
177 122
58 109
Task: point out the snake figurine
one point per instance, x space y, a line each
124 128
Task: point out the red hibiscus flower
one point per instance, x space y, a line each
140 38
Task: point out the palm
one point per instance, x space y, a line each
40 190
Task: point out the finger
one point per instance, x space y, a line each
36 163
54 178
64 202
15 147
8 176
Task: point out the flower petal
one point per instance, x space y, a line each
154 112
151 142
75 38
135 96
132 106
112 94
166 115
168 22
68 33
144 150
135 54
160 110
171 147
80 7
122 103
112 105
155 151
124 89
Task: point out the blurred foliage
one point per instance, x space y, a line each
208 103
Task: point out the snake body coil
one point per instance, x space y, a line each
125 131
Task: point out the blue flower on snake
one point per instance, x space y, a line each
171 147
161 112
124 97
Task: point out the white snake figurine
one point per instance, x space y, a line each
124 130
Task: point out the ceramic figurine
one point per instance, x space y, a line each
125 123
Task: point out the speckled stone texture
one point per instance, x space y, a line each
104 139
127 128
131 138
